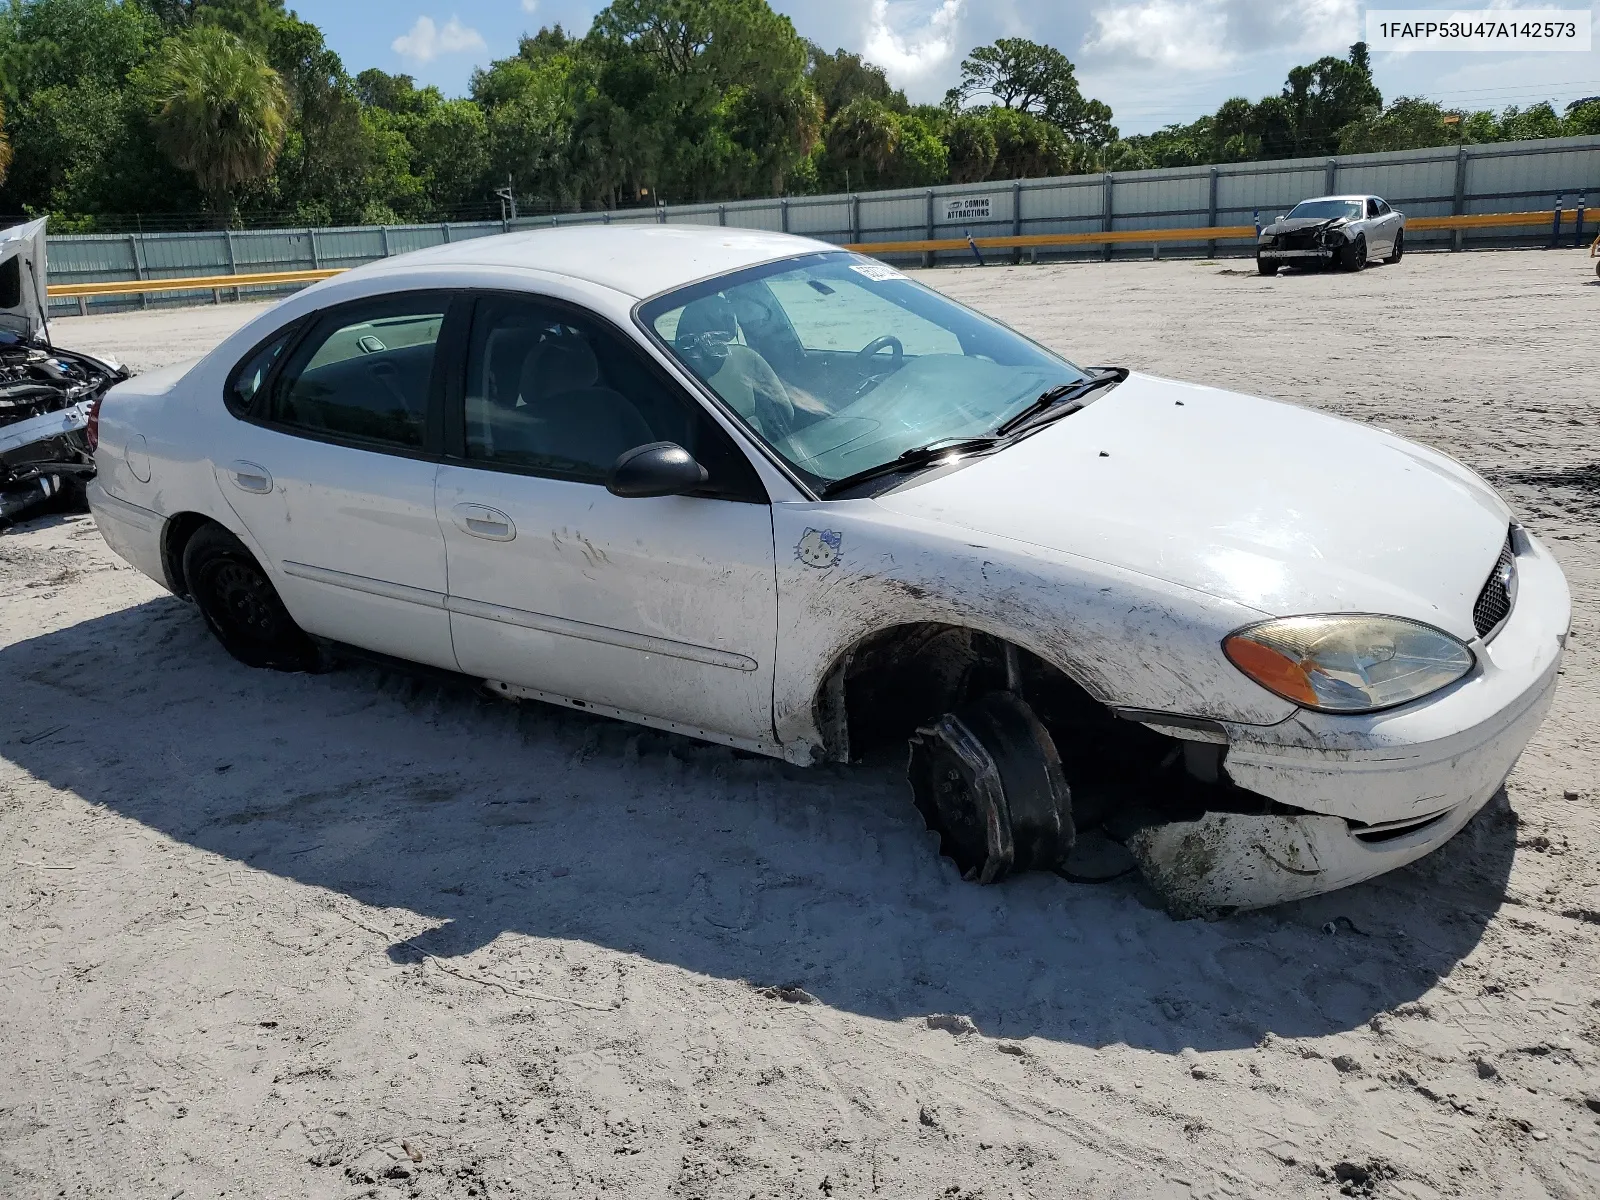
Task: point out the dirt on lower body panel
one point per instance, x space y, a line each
1226 862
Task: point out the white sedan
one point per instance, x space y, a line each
761 491
1343 231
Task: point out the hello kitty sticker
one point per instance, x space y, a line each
819 548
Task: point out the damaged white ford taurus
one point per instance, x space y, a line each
758 490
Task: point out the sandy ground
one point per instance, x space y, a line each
361 934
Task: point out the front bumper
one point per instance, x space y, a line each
36 453
1318 252
1378 791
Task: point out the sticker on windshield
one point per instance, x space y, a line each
876 271
819 547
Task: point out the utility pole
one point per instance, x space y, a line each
507 198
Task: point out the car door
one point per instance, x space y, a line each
331 464
664 607
1390 220
1378 237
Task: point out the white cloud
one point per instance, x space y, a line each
427 41
1206 35
530 6
908 56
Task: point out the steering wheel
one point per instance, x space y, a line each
871 349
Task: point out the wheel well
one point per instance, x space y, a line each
891 682
174 538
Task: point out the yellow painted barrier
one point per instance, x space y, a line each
1494 220
1220 233
133 287
1209 233
1143 237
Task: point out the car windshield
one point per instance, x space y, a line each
1322 210
841 364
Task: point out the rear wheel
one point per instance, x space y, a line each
241 606
1267 266
1354 255
988 780
1398 249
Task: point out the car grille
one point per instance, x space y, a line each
1295 241
1499 591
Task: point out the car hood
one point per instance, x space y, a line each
22 299
1276 507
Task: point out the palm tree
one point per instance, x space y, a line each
219 112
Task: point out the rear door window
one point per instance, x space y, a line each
363 374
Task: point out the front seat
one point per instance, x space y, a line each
707 336
571 418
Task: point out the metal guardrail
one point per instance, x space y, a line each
133 287
1208 233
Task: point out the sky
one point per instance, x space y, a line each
1154 62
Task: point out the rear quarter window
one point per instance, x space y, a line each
246 379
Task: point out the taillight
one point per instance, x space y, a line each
91 432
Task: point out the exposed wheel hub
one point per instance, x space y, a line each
988 780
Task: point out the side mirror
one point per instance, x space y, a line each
657 469
1278 218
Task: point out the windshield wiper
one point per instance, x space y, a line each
914 459
1060 400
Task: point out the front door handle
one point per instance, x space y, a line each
250 477
482 521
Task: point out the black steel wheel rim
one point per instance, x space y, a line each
243 602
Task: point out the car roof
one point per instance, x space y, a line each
636 260
1351 196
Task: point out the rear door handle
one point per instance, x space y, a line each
250 477
482 521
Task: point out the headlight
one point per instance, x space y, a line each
1348 664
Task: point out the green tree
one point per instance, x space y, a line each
50 42
871 145
1233 133
528 106
450 155
1527 124
862 141
1324 97
253 22
393 93
328 154
1030 147
841 77
1409 123
1033 78
716 89
972 148
80 141
218 111
1582 118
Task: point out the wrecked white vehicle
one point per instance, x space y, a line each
1343 231
45 394
760 491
